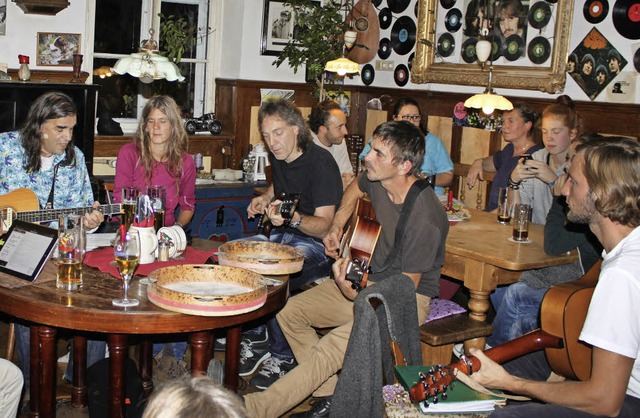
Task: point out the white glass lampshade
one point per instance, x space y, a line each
483 50
488 102
350 37
342 66
148 66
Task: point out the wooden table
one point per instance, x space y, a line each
479 252
90 309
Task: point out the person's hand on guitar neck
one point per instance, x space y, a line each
94 218
491 374
339 269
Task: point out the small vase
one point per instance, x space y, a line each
77 62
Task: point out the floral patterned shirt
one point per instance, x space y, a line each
73 188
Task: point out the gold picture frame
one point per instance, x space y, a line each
550 78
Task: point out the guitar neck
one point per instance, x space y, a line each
48 215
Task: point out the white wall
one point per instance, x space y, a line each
22 31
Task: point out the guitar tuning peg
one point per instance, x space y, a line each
443 396
422 376
435 400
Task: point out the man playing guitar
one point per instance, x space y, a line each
392 169
602 191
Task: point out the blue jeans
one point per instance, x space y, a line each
517 307
95 352
178 349
316 265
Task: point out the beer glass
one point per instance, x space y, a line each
129 197
72 246
504 208
157 195
520 222
126 251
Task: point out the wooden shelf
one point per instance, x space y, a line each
47 76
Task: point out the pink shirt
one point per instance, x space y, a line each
130 172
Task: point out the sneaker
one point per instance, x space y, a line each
458 349
272 370
254 349
215 371
178 370
220 344
320 407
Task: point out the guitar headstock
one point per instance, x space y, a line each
288 206
433 384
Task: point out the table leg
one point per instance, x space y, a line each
232 358
34 372
117 357
146 369
479 304
79 391
199 342
47 362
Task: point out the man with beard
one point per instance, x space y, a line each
602 190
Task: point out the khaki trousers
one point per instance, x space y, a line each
319 359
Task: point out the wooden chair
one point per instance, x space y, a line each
461 191
11 341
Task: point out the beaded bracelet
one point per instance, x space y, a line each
512 184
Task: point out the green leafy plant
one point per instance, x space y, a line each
176 36
317 36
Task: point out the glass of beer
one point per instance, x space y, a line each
520 222
129 197
157 195
126 251
504 208
72 246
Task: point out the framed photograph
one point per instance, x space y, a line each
57 49
3 16
529 41
278 26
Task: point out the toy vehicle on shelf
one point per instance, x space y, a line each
206 122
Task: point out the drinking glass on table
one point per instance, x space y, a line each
157 195
126 251
520 222
129 197
72 246
504 207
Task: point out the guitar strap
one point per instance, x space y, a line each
416 188
49 204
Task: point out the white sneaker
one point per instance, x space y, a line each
458 349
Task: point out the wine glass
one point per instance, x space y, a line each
126 251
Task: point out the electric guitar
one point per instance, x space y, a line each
563 311
22 204
358 242
364 20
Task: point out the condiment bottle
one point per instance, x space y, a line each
24 73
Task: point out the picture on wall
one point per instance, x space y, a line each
3 17
57 49
278 26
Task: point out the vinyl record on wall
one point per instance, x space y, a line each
514 47
384 16
376 3
446 44
415 9
468 51
595 10
410 61
539 15
636 60
447 4
626 18
552 1
384 48
367 74
398 6
453 20
496 47
401 75
539 50
403 35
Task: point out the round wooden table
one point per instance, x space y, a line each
90 309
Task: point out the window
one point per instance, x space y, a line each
120 25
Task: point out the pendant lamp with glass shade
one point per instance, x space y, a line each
342 66
147 64
488 101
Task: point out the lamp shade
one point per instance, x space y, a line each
488 102
342 66
148 66
483 50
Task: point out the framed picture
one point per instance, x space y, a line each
278 26
57 49
531 55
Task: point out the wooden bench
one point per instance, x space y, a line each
439 336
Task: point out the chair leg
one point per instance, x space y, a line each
11 341
432 355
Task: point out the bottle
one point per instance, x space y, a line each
246 165
24 73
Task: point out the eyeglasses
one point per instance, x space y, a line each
411 117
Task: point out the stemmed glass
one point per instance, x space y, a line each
126 251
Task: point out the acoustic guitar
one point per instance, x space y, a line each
364 20
286 208
358 242
22 204
563 311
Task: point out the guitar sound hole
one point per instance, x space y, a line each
362 24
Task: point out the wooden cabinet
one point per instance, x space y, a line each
16 98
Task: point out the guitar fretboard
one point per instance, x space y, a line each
48 215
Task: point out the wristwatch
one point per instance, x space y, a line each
296 225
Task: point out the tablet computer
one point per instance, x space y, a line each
26 249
